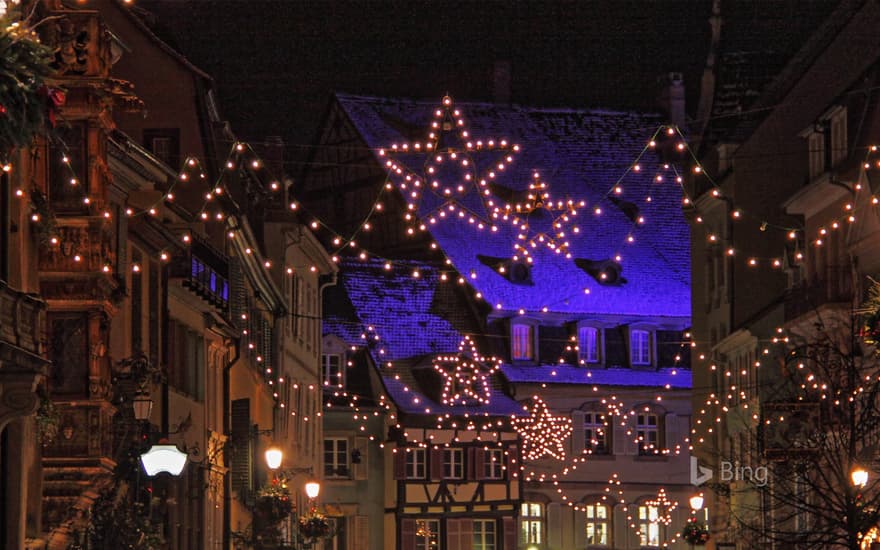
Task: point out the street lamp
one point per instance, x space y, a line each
274 455
163 457
859 476
312 489
142 405
696 502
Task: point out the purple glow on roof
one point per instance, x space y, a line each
568 374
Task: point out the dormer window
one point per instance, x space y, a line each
334 375
522 337
640 347
826 141
588 345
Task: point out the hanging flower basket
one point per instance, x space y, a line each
273 503
695 532
314 526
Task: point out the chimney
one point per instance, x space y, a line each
273 156
501 82
672 98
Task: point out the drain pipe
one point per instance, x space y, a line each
227 453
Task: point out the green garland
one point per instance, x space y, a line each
26 103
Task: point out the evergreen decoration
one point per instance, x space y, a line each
48 420
314 525
27 104
871 315
273 503
695 532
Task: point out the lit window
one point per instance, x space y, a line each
484 534
333 373
588 344
492 465
522 339
597 527
640 347
531 523
335 457
649 526
427 534
595 433
648 432
453 463
415 464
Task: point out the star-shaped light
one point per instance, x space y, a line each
542 433
466 375
455 173
541 221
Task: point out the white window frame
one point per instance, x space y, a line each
650 529
518 339
453 463
335 453
326 367
597 430
483 530
416 464
532 526
649 433
493 463
640 346
589 351
598 523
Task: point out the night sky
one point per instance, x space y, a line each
277 63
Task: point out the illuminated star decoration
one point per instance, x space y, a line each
456 170
466 375
541 432
541 221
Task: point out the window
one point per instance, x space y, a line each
453 463
333 372
816 144
531 523
588 344
494 461
597 527
427 534
522 337
335 457
484 534
187 373
640 347
595 433
164 143
415 464
648 432
649 526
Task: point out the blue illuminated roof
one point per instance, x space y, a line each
568 374
583 155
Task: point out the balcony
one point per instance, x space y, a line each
204 271
22 361
834 288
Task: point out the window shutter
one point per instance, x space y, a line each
510 533
631 439
479 463
453 534
512 461
238 293
362 446
436 463
619 436
400 463
466 534
242 478
471 472
554 525
578 439
407 534
361 533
